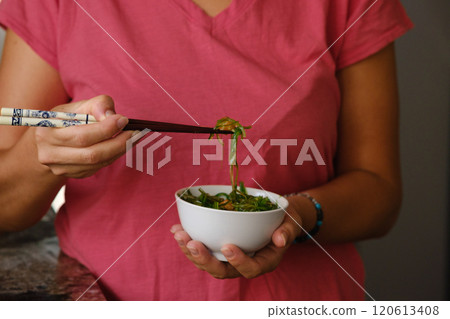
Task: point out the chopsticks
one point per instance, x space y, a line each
26 117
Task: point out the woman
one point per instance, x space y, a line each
229 59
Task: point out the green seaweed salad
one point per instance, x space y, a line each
238 199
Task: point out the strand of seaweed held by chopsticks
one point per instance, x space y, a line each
26 117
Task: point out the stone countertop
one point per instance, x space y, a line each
32 267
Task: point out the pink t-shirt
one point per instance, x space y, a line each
236 65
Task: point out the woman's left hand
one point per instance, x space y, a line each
239 264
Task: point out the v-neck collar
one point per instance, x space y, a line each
227 16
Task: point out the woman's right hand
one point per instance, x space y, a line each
35 162
80 151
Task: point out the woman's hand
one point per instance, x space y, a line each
80 151
239 264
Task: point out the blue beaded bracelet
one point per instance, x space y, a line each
319 219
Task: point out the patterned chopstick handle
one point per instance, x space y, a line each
86 118
29 121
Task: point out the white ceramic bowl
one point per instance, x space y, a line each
250 231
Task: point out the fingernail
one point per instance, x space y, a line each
180 243
135 133
227 252
109 113
194 251
283 239
172 230
122 122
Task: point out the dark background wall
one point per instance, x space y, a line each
411 263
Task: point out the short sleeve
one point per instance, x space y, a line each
371 26
35 21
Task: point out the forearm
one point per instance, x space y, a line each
363 200
357 205
27 187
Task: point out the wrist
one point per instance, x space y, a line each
309 211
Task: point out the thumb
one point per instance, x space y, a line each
287 231
100 106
